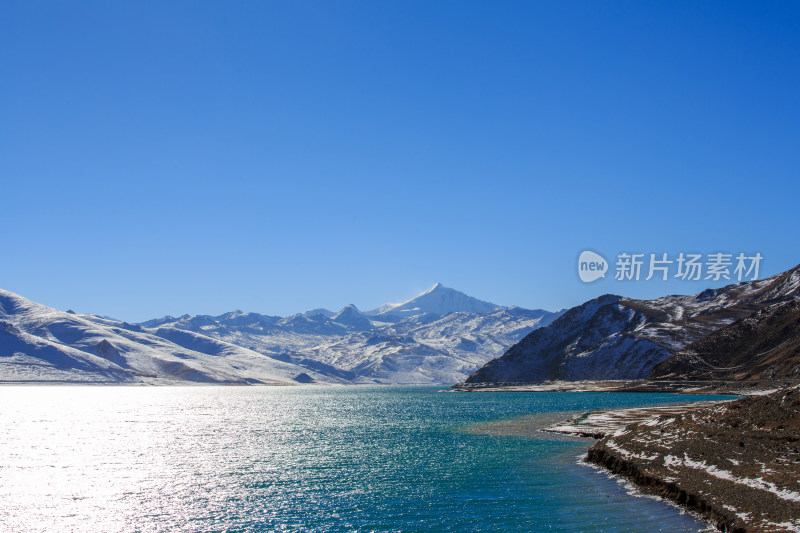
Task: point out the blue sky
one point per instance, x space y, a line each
197 157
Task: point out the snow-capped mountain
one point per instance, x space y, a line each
319 311
430 345
352 319
441 350
38 343
612 337
438 300
235 318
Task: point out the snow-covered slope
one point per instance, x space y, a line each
319 311
430 350
612 337
430 345
38 343
234 318
438 300
352 319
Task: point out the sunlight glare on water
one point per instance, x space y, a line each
81 458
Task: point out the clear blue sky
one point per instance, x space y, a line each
197 157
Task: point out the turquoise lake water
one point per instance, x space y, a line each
76 458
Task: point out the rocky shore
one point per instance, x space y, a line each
736 463
678 386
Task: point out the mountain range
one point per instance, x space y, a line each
744 331
441 336
616 338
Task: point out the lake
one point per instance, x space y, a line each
316 458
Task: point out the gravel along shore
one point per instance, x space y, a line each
736 463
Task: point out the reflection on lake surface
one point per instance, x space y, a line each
82 458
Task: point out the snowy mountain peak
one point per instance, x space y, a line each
352 318
318 311
436 287
438 300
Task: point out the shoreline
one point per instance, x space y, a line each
634 490
737 388
586 428
600 424
720 460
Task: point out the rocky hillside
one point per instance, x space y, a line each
764 346
737 463
612 337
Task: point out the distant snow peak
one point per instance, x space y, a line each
318 311
348 312
438 300
381 309
352 318
437 286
